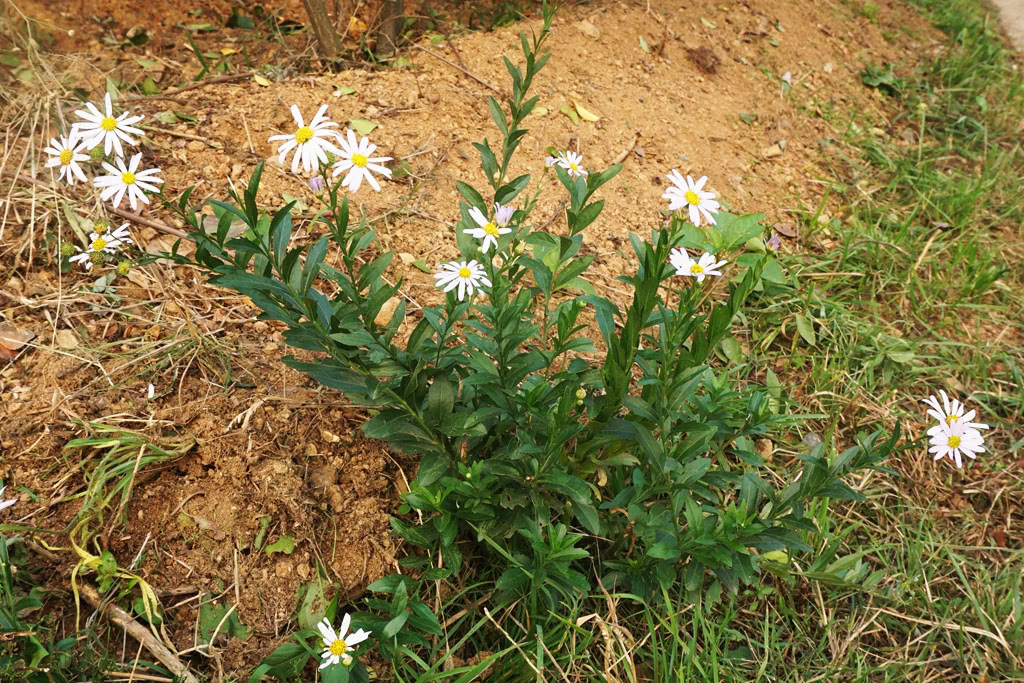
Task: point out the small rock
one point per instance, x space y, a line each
764 448
588 29
270 348
195 146
386 311
66 339
236 170
828 67
771 151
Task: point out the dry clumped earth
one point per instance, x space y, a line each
277 456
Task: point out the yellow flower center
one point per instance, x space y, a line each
491 229
465 273
950 419
359 160
99 244
954 442
65 157
692 197
108 124
304 134
338 648
696 269
573 166
128 178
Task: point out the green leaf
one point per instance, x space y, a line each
732 350
284 663
424 620
10 60
707 23
664 551
336 673
806 329
432 467
285 545
643 45
212 616
471 196
314 603
571 113
394 626
748 118
900 356
440 401
362 126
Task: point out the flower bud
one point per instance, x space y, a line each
67 249
96 153
581 394
97 258
124 267
316 184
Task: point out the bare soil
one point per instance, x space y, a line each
669 82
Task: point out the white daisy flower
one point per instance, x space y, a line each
684 193
66 153
98 244
699 269
570 161
949 413
4 504
489 231
128 180
311 143
954 441
357 160
121 235
463 275
97 127
336 645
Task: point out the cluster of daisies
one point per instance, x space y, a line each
98 129
317 144
954 435
102 241
466 277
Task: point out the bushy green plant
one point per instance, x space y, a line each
541 446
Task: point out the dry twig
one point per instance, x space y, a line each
139 633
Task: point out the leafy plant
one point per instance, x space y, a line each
540 447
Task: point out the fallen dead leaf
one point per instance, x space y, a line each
12 339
